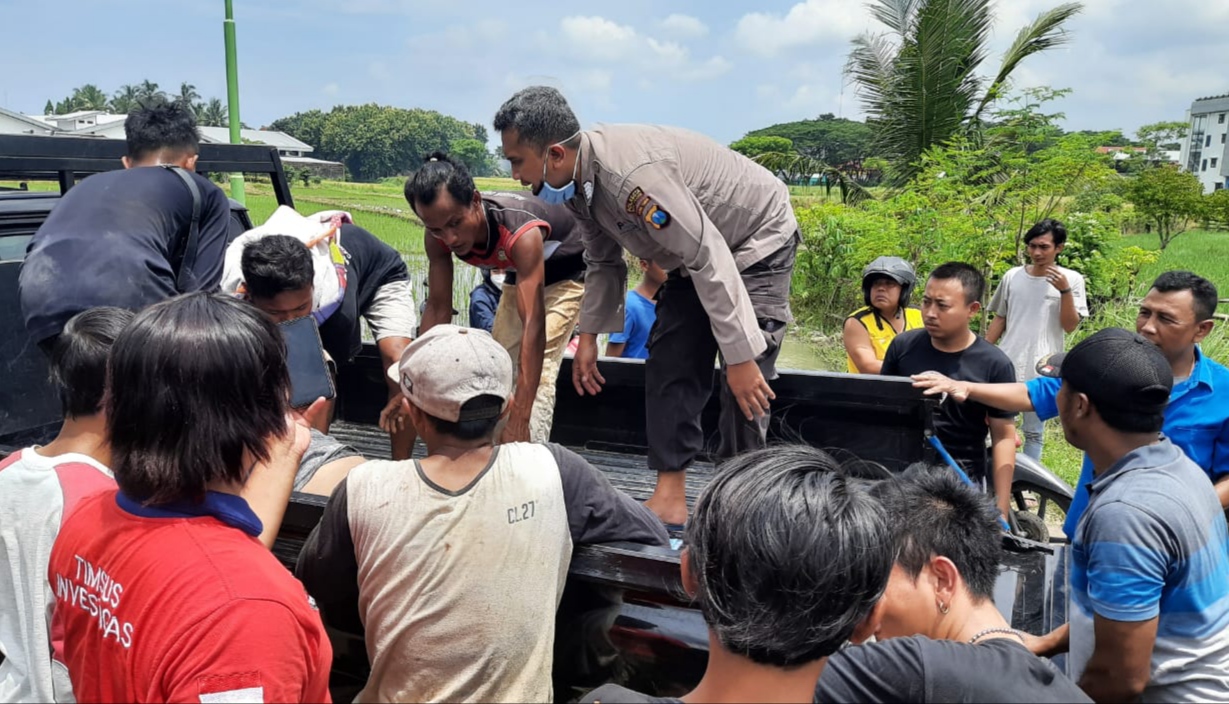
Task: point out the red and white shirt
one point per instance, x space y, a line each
511 215
36 493
180 602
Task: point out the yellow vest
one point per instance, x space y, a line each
881 331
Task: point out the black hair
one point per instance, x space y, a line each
471 429
79 358
197 381
1049 225
276 264
788 553
970 279
161 125
540 115
1122 417
1202 291
439 171
937 515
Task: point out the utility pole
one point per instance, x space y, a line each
232 96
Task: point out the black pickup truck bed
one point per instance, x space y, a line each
629 473
624 617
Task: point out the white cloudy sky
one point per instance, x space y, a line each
719 67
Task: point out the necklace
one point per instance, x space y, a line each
983 633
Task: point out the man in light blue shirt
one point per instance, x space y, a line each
1175 316
1149 617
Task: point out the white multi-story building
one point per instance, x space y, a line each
1205 152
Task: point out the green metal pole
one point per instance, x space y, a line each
232 96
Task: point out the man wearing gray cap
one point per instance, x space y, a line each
1150 558
453 565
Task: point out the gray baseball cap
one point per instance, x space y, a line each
450 365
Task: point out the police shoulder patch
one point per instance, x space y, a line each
632 198
656 217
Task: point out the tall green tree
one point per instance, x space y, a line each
1169 199
831 139
188 95
1162 135
212 114
755 146
89 97
148 91
919 81
49 108
304 126
473 154
124 100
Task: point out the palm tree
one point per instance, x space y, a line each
918 81
212 114
188 96
89 97
125 99
148 91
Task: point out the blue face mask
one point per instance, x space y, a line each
558 196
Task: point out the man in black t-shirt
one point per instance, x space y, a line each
947 345
940 636
787 556
278 273
112 239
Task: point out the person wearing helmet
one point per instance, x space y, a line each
886 285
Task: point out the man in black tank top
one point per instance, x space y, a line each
538 247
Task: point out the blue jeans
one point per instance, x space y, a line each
1034 435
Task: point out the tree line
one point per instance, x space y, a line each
130 96
378 141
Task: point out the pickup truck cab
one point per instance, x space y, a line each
623 616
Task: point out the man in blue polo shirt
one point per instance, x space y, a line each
1149 616
1175 316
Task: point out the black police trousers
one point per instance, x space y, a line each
680 373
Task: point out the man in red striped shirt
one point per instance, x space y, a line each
539 247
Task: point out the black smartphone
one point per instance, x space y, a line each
309 374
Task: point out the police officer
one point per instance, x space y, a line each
720 224
886 285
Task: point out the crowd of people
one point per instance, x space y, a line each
139 539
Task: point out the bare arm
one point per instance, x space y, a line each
1068 315
1222 492
530 264
615 349
1056 642
438 310
267 488
1121 663
1003 461
997 327
1068 311
858 346
1006 397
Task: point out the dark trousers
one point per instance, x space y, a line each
679 373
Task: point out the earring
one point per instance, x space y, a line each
943 608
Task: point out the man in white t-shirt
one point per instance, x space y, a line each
453 565
39 487
1034 307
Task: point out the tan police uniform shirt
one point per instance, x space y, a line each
684 201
